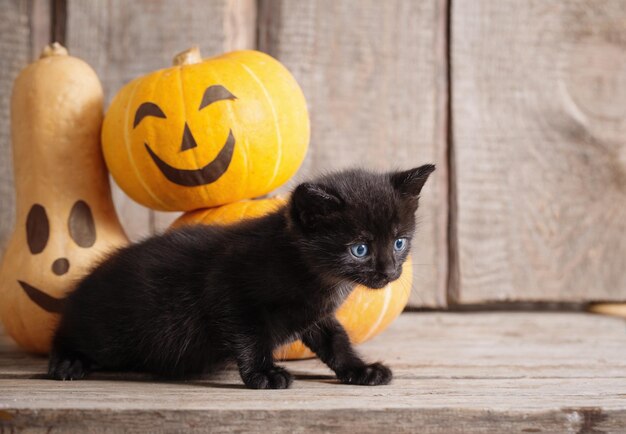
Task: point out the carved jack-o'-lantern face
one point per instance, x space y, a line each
82 231
205 133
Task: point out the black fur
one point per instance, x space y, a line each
183 303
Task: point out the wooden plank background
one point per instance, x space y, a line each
374 77
376 92
539 117
14 54
537 141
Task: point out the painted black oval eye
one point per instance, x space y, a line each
148 109
37 229
215 93
81 225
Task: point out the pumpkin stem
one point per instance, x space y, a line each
188 57
54 49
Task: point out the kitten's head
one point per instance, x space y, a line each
357 225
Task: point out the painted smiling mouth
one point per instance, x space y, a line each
43 300
195 177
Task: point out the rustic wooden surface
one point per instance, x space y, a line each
539 133
124 40
374 77
464 372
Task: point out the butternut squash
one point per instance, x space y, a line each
65 217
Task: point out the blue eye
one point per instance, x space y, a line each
399 244
359 250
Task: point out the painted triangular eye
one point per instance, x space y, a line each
37 229
215 93
81 224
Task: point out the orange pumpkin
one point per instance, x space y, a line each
364 314
65 217
206 132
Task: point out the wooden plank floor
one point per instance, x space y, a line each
454 372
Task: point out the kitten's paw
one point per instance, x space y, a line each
375 374
274 378
67 368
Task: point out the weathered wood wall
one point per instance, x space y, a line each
14 54
376 92
539 117
374 76
536 143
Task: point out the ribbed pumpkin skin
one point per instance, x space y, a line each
268 120
364 314
229 213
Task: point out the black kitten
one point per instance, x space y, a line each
182 303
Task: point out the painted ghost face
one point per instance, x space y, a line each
82 231
65 219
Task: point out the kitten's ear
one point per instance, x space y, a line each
411 181
312 202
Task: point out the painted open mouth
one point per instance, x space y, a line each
195 177
43 300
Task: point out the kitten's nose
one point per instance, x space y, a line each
387 271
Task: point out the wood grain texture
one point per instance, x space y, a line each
374 77
15 53
539 125
479 372
124 40
40 13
